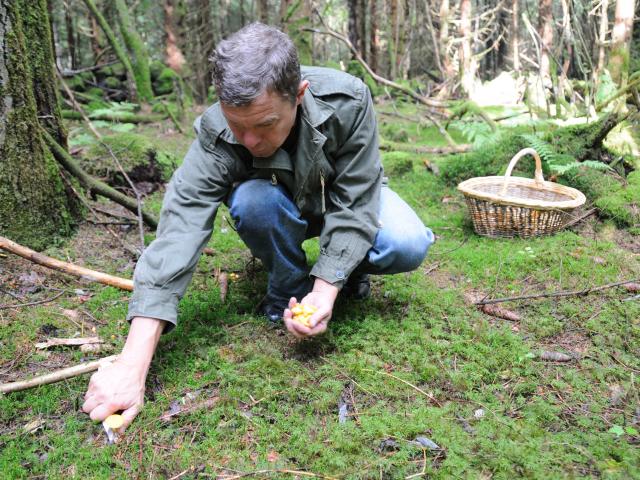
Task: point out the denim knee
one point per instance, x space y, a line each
400 253
256 204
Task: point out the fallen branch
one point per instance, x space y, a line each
56 342
116 117
40 259
575 221
30 304
56 376
93 184
575 293
388 145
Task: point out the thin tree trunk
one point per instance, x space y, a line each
393 38
35 208
602 36
620 41
545 30
138 52
263 10
174 56
71 39
373 42
118 49
467 70
515 37
354 32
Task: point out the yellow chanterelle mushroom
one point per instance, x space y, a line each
302 313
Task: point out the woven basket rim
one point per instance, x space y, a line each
577 197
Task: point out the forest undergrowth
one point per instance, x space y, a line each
415 382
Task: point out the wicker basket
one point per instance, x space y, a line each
519 207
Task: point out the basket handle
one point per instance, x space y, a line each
539 179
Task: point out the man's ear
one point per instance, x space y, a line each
301 89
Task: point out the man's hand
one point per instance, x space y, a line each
323 296
116 387
120 386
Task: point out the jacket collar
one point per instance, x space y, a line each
314 110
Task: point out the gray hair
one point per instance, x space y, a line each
255 59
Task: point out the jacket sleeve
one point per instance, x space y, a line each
351 221
165 268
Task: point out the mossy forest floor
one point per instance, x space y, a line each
414 360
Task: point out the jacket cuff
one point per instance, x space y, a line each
331 270
158 304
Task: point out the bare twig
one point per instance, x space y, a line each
77 106
56 376
39 302
24 252
56 342
575 293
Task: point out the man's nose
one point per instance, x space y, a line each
250 140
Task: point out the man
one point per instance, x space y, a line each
294 154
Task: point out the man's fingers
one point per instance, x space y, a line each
102 411
90 403
292 302
130 414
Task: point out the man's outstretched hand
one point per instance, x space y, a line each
120 386
114 388
323 298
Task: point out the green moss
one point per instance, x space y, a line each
112 82
155 69
593 183
76 83
623 204
397 164
165 83
490 159
95 92
139 156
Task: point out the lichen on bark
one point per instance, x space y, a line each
35 208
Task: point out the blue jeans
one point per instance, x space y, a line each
270 224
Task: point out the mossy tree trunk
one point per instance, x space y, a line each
35 207
621 41
137 50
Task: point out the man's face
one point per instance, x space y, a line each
264 124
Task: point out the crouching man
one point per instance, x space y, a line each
294 154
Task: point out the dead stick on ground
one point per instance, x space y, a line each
56 376
575 293
30 304
40 259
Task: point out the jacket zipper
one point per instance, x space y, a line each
324 209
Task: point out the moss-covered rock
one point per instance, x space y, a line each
96 92
140 157
112 82
76 83
166 81
155 69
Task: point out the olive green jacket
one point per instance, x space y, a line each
334 177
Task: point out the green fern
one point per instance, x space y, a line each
478 133
559 163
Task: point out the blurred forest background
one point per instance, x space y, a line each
141 61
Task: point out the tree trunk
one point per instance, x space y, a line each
448 71
620 41
138 52
393 39
119 51
354 31
35 208
263 10
545 30
174 56
467 67
602 37
515 37
373 35
71 40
